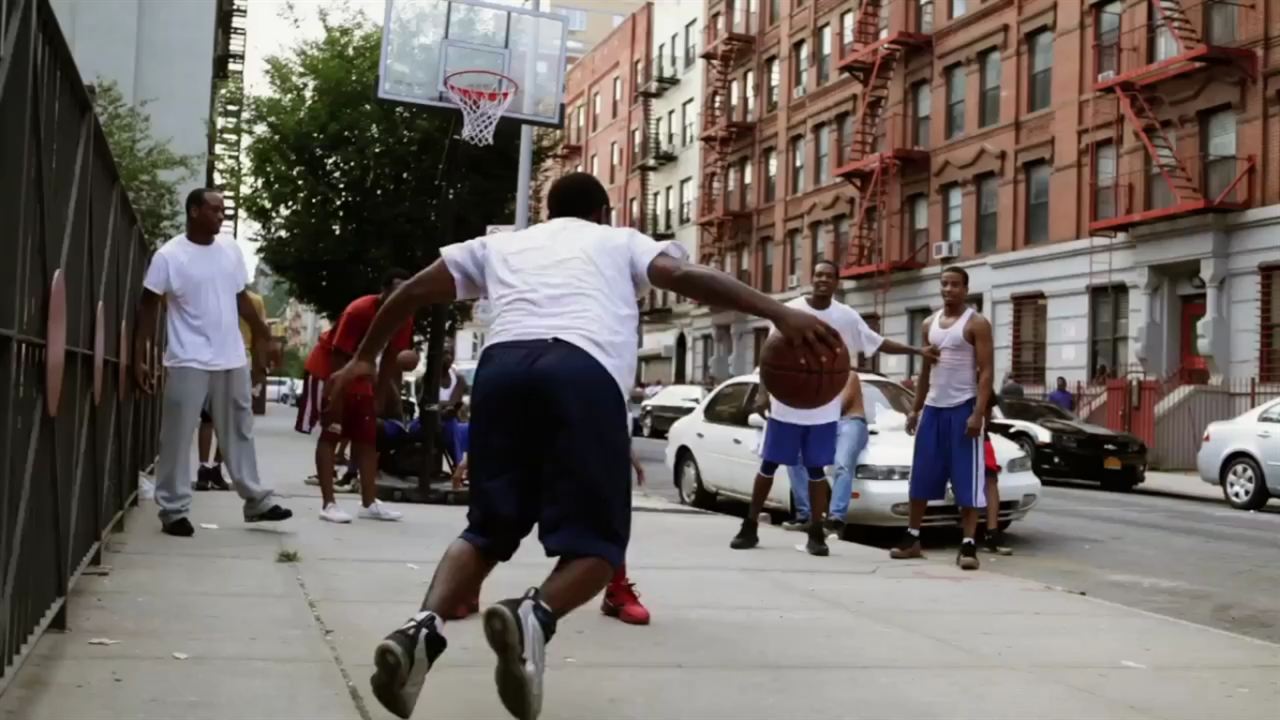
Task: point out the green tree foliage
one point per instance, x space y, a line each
345 186
149 169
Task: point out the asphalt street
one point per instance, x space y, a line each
1197 561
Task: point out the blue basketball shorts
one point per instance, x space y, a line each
945 453
811 446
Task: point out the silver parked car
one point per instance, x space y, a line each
1243 456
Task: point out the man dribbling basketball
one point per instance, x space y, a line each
807 438
562 339
953 396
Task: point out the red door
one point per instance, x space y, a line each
1194 369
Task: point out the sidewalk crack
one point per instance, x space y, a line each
327 635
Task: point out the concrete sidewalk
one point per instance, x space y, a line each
766 633
1183 485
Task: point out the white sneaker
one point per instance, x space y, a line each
378 511
334 514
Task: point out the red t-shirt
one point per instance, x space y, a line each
347 334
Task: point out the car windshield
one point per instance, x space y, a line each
1032 411
887 403
677 394
468 374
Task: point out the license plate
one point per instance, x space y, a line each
1112 464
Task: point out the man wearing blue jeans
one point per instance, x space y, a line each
851 440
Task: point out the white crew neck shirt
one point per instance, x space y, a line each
199 284
566 279
858 338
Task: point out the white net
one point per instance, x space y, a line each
482 97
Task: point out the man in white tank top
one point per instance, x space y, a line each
953 395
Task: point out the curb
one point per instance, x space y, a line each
1180 496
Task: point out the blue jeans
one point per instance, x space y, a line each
851 439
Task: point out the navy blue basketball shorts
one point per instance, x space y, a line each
550 445
945 453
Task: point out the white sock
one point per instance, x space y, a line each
968 541
913 532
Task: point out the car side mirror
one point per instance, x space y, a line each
756 420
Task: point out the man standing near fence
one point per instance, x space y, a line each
203 282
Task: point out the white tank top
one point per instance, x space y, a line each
954 378
446 391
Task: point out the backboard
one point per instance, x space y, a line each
423 41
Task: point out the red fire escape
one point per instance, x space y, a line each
884 143
730 38
1134 66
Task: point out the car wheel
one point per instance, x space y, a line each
1027 444
692 493
646 425
1243 484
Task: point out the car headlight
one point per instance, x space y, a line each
1065 440
1022 463
884 472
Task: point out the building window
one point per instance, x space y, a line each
633 212
953 215
766 265
773 79
1040 70
794 250
846 32
840 243
577 19
822 154
1104 181
595 165
1037 203
744 265
915 337
1162 44
613 216
667 208
749 85
797 165
921 107
615 159
1159 192
690 44
1269 329
687 135
748 198
735 98
918 225
686 200
1220 22
1107 22
816 251
731 188
581 128
637 151
799 68
988 212
824 54
844 137
1030 333
670 139
661 58
924 17
955 101
617 97
1219 138
770 175
989 109
775 11
595 111
1109 330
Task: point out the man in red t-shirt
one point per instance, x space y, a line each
358 422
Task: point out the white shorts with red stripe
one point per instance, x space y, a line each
309 404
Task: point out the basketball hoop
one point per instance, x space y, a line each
482 96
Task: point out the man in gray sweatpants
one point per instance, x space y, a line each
202 280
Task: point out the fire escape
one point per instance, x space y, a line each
724 215
658 148
1134 68
884 144
224 169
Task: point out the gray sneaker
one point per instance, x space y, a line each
402 661
518 630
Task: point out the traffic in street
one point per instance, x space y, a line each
1194 560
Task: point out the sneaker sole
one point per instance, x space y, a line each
378 517
906 556
818 551
735 545
390 674
502 630
614 611
339 521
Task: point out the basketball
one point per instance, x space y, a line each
788 374
407 360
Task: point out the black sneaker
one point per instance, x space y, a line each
518 630
402 661
216 481
179 528
993 542
273 514
967 557
907 548
347 481
834 528
797 525
748 536
202 478
817 544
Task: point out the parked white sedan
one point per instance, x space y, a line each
1242 455
712 452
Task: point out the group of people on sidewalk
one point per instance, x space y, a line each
562 339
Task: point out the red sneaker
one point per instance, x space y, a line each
622 602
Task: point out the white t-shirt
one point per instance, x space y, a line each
199 284
858 337
566 278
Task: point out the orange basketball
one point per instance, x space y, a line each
407 360
798 380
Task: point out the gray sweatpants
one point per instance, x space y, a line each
229 402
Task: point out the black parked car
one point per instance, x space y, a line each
670 404
1065 447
